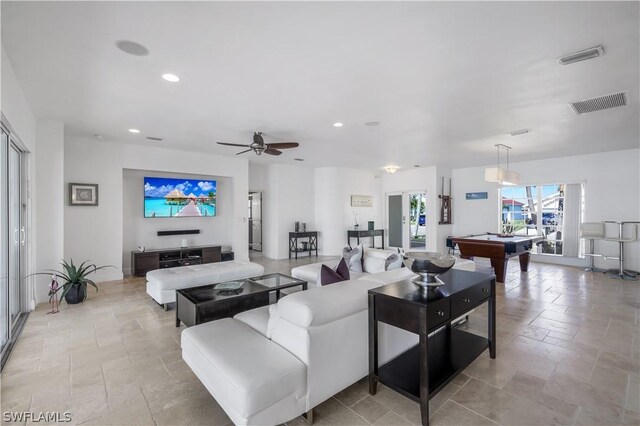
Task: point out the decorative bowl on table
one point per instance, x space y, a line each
428 266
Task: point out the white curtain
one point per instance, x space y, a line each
572 213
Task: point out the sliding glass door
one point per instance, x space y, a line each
12 238
4 241
17 230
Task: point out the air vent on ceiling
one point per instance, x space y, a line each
600 103
153 138
583 55
520 132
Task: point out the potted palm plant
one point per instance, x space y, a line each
74 289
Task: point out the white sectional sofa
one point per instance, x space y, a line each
271 364
163 283
373 262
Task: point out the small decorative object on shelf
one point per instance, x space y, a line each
141 249
445 205
303 227
428 266
371 225
355 218
184 243
297 227
53 300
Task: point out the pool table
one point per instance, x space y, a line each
497 248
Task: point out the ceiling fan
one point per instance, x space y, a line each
258 146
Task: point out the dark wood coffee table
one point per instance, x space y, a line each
197 305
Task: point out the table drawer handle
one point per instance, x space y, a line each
466 300
485 290
440 313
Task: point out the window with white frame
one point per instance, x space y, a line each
550 210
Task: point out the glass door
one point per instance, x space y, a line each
417 228
4 242
407 220
17 232
12 239
255 221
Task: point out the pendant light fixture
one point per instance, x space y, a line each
500 175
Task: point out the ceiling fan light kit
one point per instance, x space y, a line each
501 175
258 146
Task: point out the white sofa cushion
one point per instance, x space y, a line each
311 273
321 305
245 372
257 319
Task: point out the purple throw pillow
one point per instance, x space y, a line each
331 276
343 269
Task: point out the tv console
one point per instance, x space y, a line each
145 261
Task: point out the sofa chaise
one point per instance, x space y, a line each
163 283
271 364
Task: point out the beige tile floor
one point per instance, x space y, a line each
568 353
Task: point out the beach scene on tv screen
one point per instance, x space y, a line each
169 197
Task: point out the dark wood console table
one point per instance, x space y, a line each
422 371
312 243
149 260
357 234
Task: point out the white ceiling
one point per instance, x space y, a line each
446 80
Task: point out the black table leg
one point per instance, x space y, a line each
373 347
424 368
492 320
296 248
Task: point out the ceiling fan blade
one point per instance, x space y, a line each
283 145
232 144
246 150
272 151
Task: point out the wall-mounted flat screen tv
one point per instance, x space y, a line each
170 197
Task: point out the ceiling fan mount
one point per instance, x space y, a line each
258 146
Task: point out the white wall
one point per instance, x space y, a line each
334 214
14 105
141 231
49 210
612 192
96 233
258 174
16 109
287 198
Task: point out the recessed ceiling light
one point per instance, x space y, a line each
338 124
372 123
520 132
171 77
583 55
132 48
134 130
299 159
154 138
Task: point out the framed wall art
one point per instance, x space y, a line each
83 194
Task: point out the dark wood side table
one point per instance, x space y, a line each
364 234
293 242
197 305
443 351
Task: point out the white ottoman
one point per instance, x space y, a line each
163 283
255 380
